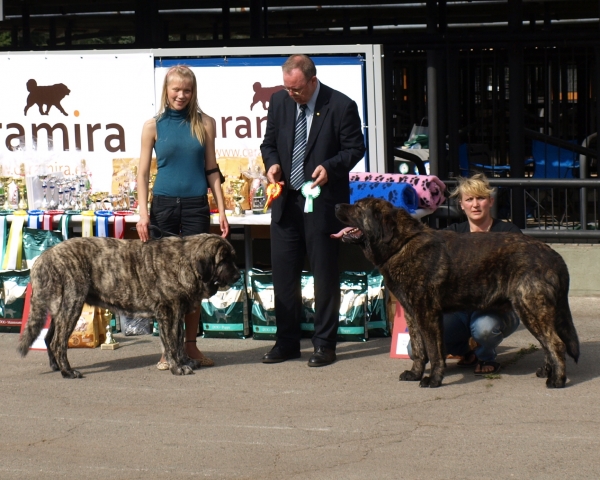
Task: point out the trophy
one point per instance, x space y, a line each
237 184
22 192
44 178
4 192
110 343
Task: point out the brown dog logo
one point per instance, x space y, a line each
263 94
49 95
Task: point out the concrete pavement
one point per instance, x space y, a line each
245 420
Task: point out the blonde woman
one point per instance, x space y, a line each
183 138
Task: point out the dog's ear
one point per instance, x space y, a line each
223 251
388 226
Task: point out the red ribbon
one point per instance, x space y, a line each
48 221
120 222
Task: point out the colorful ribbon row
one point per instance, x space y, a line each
11 246
92 223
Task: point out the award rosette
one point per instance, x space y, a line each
102 217
120 222
48 220
273 191
65 220
310 194
35 218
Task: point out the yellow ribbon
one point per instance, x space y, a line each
87 223
14 247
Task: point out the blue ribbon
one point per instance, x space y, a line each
35 218
101 228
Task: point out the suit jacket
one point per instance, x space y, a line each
335 141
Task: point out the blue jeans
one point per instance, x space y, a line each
488 329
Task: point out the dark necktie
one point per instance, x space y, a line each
297 176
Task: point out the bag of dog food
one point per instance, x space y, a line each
85 334
264 326
377 320
225 314
13 284
36 241
353 307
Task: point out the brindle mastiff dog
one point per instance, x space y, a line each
431 272
162 279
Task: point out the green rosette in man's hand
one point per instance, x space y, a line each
310 194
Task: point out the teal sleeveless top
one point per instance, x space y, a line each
179 158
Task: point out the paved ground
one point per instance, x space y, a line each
352 420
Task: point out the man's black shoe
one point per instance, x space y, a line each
279 354
321 357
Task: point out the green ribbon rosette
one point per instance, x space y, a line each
310 194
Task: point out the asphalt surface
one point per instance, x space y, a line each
245 420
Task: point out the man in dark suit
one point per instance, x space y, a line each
317 130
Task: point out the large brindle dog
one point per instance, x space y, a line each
431 272
162 279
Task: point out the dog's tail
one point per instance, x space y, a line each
31 84
35 323
566 329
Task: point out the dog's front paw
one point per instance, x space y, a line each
409 376
71 374
192 363
182 370
430 382
556 382
424 383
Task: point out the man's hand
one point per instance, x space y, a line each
319 176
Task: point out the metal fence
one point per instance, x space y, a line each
556 211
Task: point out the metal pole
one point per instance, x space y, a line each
516 112
432 101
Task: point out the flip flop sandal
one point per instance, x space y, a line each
206 362
468 360
482 364
162 365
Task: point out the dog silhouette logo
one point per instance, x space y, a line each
48 96
263 94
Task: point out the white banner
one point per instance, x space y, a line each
60 109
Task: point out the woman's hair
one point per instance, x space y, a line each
302 62
194 115
477 186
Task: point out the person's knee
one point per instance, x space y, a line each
486 328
